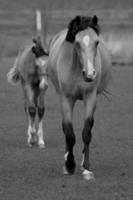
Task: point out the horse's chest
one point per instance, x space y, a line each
77 90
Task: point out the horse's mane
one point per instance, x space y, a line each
80 23
38 49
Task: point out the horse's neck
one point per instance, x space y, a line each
76 66
67 64
71 55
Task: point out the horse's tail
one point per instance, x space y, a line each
41 28
13 76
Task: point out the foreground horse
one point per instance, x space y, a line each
79 66
30 69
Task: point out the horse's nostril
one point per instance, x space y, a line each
83 72
89 77
94 73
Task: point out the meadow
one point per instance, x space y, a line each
116 26
30 173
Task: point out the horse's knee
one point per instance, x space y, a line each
86 134
41 111
69 133
32 111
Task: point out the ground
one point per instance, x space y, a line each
31 173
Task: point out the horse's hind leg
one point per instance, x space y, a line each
67 109
30 108
41 110
90 104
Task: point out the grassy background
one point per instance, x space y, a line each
65 5
17 22
18 27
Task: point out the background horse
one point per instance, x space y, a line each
79 66
30 69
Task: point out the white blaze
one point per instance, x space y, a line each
90 68
86 40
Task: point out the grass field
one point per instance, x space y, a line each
116 26
30 174
37 174
65 5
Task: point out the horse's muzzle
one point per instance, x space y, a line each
89 77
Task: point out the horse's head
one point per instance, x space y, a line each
86 42
83 32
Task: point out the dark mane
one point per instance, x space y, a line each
37 48
80 23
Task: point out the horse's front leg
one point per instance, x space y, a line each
67 111
30 109
41 110
90 105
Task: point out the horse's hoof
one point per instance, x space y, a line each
68 171
41 146
82 168
65 172
30 145
70 167
88 175
69 164
33 140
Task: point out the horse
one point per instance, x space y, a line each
30 69
79 66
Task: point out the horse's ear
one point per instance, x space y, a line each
95 20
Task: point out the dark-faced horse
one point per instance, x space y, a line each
79 66
30 69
